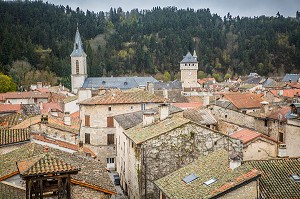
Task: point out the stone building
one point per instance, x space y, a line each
210 176
160 145
189 69
97 123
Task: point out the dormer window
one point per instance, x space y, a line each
125 83
103 82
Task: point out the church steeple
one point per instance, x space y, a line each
77 50
195 55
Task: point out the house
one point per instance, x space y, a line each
242 102
159 145
256 146
291 78
97 124
201 116
24 97
279 177
210 176
70 104
92 180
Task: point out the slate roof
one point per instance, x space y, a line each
30 109
12 136
247 136
129 120
200 116
78 49
189 59
214 165
139 134
173 95
92 174
276 181
44 164
291 77
132 96
122 83
167 85
8 121
244 100
254 80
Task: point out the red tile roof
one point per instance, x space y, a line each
63 144
23 95
280 113
10 136
47 107
244 100
247 135
204 80
45 164
10 107
132 96
287 92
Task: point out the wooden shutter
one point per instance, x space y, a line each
110 122
87 138
87 120
110 139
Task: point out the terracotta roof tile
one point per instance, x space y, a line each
47 107
8 121
10 107
247 135
276 181
43 165
286 92
123 97
23 95
282 111
10 136
214 165
244 100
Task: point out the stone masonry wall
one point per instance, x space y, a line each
171 151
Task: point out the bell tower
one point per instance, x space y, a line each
189 69
78 64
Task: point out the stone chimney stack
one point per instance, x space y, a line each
264 107
150 87
165 93
67 118
235 160
148 118
164 111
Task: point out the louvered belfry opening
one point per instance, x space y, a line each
47 175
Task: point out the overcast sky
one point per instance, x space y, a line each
248 8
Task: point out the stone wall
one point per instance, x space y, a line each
171 151
260 149
292 140
248 191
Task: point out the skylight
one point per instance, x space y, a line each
190 178
211 181
295 177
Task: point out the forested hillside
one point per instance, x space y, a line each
147 41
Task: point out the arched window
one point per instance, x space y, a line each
77 67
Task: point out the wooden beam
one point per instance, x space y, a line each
93 187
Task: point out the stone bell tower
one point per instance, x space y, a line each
189 69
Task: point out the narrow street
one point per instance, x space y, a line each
120 194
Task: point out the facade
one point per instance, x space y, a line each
157 147
97 124
78 64
189 69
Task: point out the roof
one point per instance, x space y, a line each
129 120
12 120
206 80
23 95
48 107
10 108
291 77
244 100
286 92
30 109
213 166
70 99
280 114
132 96
44 164
139 134
11 136
63 144
167 85
254 80
276 181
247 135
117 82
11 191
200 116
78 49
189 59
92 174
189 105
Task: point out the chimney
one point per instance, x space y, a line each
148 118
163 111
46 149
39 84
205 100
41 106
150 87
165 93
80 147
281 151
67 118
264 107
235 160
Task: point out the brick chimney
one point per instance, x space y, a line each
163 111
148 118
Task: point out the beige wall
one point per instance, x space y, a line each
260 149
292 140
189 78
249 191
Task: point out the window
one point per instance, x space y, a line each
87 120
190 178
110 139
225 116
266 123
143 106
280 137
35 100
110 122
110 160
77 67
244 112
109 108
211 181
87 137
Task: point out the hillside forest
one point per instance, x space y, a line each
36 40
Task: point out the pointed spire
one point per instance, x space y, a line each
77 50
195 55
